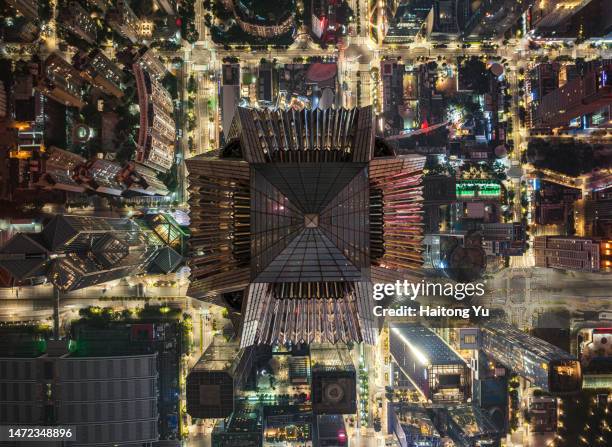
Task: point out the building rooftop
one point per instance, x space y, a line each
425 344
472 421
219 356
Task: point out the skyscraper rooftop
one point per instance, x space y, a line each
290 214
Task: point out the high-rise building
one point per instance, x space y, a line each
123 20
101 72
573 253
213 383
291 214
62 82
327 19
570 19
253 20
149 60
77 251
439 192
540 81
3 103
445 20
78 21
157 133
266 82
436 370
544 365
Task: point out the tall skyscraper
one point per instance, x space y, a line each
297 214
78 251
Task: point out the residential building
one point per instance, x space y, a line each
101 72
101 176
142 180
78 21
58 169
123 20
61 82
157 132
149 60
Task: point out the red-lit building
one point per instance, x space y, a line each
324 20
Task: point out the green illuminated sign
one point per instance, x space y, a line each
477 188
